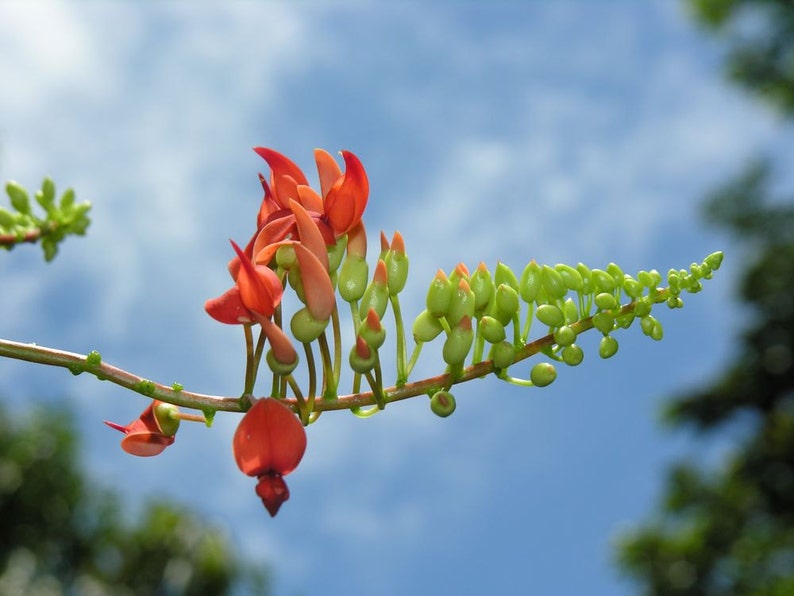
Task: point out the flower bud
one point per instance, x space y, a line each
550 315
506 303
372 331
396 265
277 367
483 287
587 278
604 322
571 311
353 278
503 354
651 327
605 301
572 355
426 327
505 275
491 329
19 197
571 277
458 342
543 374
362 357
376 295
305 328
336 252
285 256
603 281
553 283
616 272
632 287
608 347
531 282
564 336
442 403
439 295
714 260
643 307
461 304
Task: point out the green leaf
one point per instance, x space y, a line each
46 196
19 197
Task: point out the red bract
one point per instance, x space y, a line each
150 433
269 443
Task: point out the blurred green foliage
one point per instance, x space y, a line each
729 529
61 534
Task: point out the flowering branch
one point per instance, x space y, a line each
314 245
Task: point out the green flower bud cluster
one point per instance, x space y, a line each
498 310
61 218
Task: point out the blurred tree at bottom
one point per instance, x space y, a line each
730 530
61 534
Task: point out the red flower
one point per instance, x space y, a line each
336 211
269 443
150 433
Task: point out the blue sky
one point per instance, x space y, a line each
505 131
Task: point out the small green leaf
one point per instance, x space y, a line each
19 197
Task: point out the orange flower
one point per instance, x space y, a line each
335 212
269 443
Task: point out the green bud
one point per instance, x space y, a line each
643 307
353 278
7 220
608 347
506 304
503 354
458 343
553 283
483 287
505 275
572 355
714 260
372 331
572 278
651 327
167 418
675 302
587 278
296 282
67 199
305 328
362 358
564 336
336 252
461 304
442 403
550 315
650 279
603 281
439 295
605 301
604 322
543 374
632 287
285 256
279 368
376 296
46 196
397 271
491 329
531 282
571 311
616 272
624 321
695 270
19 197
426 327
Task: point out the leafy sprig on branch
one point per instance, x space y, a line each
61 218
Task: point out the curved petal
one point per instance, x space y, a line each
228 308
328 170
309 233
281 165
317 287
347 198
260 288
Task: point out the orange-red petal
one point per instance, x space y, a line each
347 198
260 288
